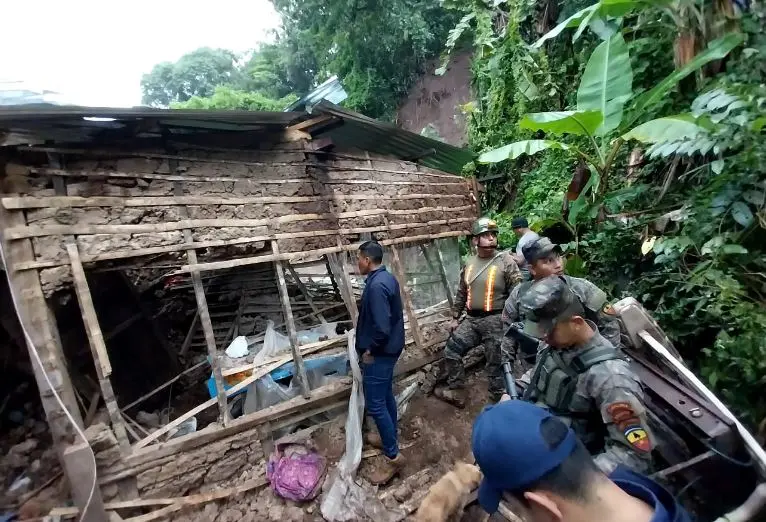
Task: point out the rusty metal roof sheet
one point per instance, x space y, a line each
45 123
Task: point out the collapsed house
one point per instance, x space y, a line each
145 247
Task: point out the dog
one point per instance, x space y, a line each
447 498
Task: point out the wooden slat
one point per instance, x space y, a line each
267 258
60 230
204 316
92 328
306 349
33 202
195 178
304 291
292 333
396 264
209 244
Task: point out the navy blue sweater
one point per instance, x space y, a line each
666 509
380 327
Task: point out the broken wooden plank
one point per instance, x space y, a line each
292 333
204 314
396 264
306 349
246 261
442 271
97 344
92 408
304 291
163 386
311 122
189 335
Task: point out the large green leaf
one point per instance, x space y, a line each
563 122
519 148
670 128
580 17
607 82
716 50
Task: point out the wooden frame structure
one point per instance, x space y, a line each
192 210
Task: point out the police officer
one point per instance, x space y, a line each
544 259
582 378
485 282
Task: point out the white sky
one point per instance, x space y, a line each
94 52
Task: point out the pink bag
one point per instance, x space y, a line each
296 472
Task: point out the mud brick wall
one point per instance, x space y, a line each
302 200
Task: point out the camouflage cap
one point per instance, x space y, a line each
538 249
547 302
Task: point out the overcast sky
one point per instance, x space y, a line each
94 51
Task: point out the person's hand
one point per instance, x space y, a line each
453 325
367 357
504 398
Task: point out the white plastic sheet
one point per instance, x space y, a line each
274 343
345 500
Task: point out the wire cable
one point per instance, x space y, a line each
36 355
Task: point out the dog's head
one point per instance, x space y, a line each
468 474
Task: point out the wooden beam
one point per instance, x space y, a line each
32 202
300 369
41 335
61 230
441 269
304 291
291 134
163 386
97 344
207 325
305 124
189 335
306 349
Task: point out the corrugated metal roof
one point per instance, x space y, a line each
330 90
35 124
386 139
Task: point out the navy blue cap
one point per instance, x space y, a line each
511 451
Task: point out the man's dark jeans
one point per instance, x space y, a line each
378 381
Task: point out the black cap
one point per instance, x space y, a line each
538 249
519 222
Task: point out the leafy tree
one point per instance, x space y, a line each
377 49
197 73
227 98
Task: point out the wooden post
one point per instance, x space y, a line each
41 334
442 271
97 345
332 278
304 291
300 369
79 467
338 267
189 335
396 264
204 315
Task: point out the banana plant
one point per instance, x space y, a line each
607 109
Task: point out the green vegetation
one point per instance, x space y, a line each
630 131
652 172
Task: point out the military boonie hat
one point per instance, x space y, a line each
547 302
538 249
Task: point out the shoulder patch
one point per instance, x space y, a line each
609 310
626 420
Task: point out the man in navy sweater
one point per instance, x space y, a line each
379 342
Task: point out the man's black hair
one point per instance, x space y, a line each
572 478
373 250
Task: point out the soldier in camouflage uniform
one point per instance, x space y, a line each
582 378
543 259
485 282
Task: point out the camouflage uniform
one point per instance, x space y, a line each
591 386
593 298
483 323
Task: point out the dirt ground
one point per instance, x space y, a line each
433 436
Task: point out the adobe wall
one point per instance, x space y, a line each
301 199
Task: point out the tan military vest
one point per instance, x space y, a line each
487 292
